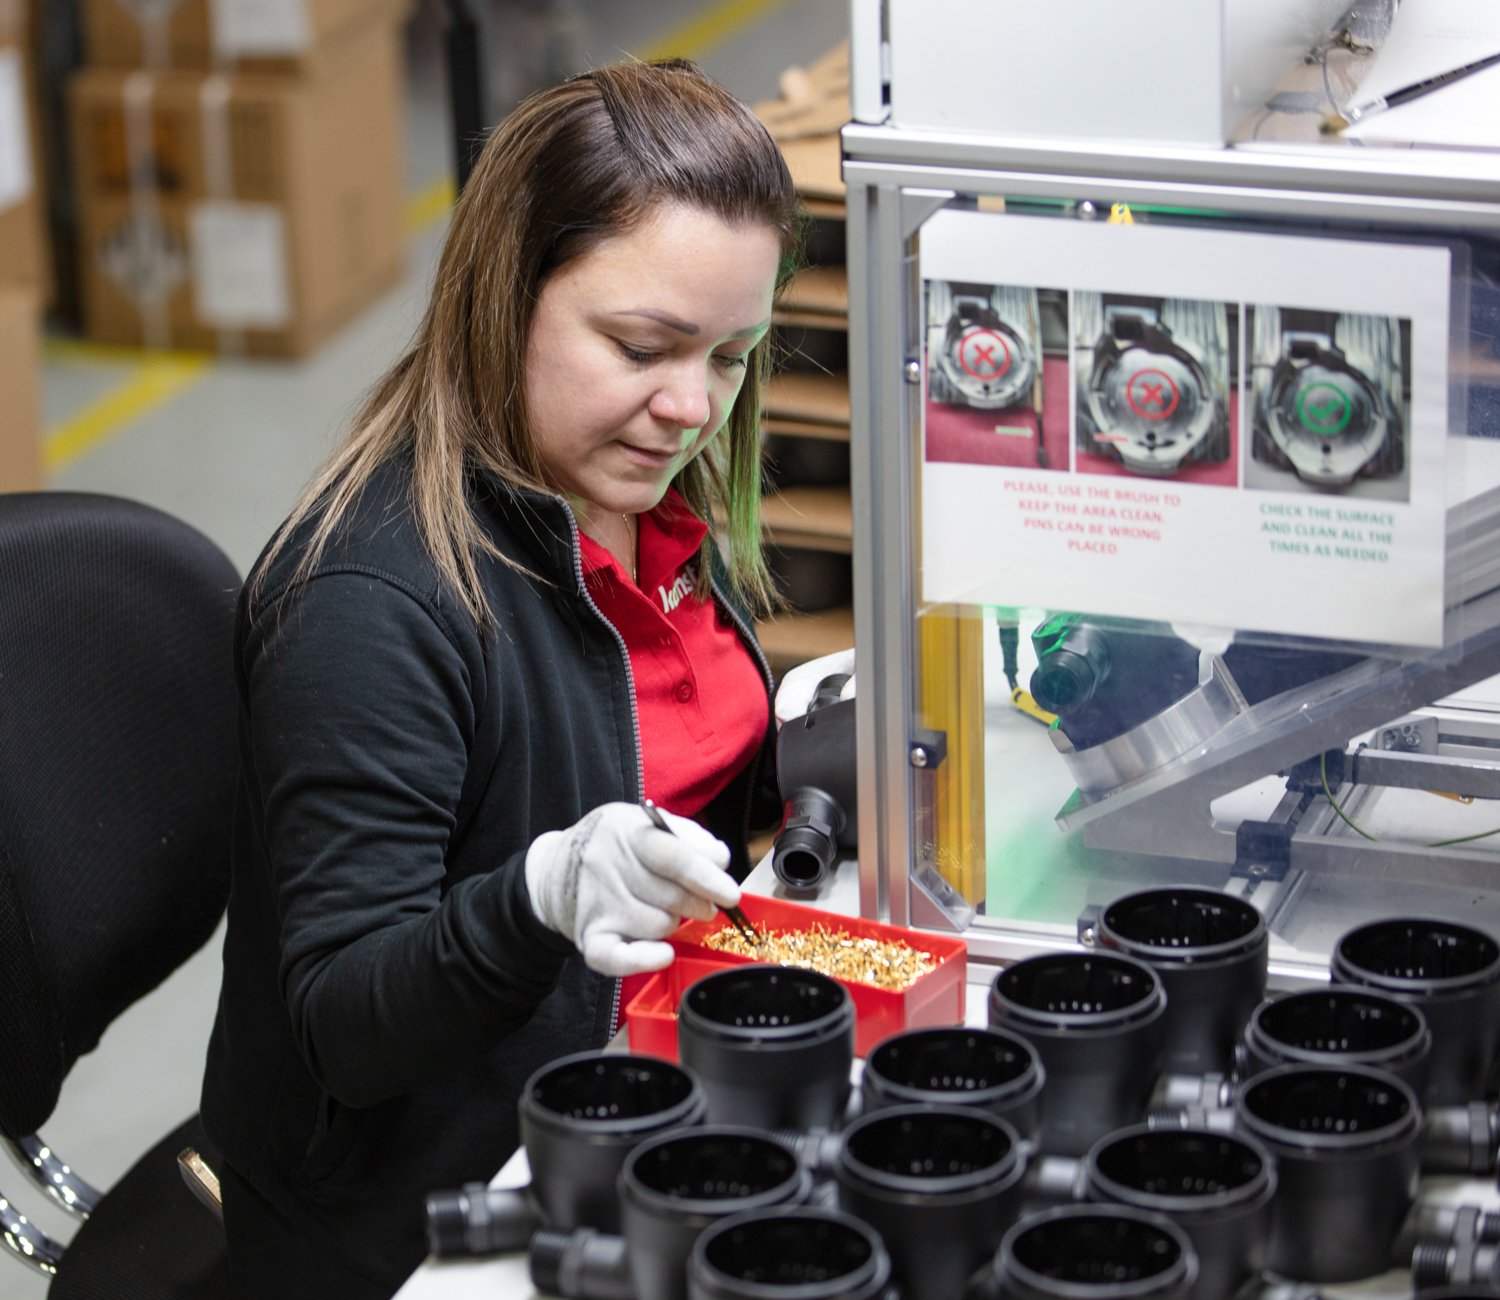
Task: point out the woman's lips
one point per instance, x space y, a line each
646 458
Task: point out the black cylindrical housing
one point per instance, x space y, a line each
580 1117
1218 1188
1096 1020
675 1185
1342 1024
1209 950
1450 971
1347 1146
1094 1252
941 1184
992 1069
771 1044
803 1254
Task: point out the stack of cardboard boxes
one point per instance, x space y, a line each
238 169
23 260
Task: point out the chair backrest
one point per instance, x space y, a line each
118 757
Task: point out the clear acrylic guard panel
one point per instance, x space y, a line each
1208 565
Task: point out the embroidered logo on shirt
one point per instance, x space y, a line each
671 598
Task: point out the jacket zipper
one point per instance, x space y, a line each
635 718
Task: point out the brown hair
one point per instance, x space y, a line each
569 168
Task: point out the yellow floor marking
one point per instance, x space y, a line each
429 204
709 29
155 381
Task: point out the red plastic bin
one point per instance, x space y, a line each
937 998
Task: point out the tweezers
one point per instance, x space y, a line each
737 918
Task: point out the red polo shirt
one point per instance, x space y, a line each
700 698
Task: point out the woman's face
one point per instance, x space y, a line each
638 350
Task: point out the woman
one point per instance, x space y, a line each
495 621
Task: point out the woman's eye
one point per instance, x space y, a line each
732 363
640 358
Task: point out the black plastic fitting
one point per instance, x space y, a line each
1342 1024
987 1068
479 1220
1209 950
580 1117
1094 1252
815 766
1347 1142
1461 1139
674 1186
1431 1224
1473 1265
772 1045
941 1184
1217 1188
802 1254
1450 971
1096 1020
584 1264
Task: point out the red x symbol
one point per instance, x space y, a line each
978 356
1151 394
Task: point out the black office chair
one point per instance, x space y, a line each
117 771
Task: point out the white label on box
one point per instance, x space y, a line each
239 266
260 28
15 137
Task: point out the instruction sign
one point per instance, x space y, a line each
1239 430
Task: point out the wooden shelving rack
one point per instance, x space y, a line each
809 398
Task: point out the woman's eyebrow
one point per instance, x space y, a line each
686 327
664 318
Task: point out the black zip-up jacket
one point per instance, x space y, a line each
387 987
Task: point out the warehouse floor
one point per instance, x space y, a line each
228 445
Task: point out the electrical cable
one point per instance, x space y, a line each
1434 844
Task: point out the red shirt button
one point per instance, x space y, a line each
685 691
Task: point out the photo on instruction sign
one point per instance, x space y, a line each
1329 400
1156 383
997 375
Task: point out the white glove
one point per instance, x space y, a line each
800 684
613 883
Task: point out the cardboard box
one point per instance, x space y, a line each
226 35
20 390
239 213
23 247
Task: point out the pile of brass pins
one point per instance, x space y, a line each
878 962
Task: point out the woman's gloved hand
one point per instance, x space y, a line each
800 684
616 886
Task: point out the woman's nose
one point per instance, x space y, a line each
683 397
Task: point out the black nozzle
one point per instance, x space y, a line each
1341 1024
989 1068
941 1184
1071 666
772 1044
581 1265
478 1220
1218 1187
1097 1021
808 843
1210 951
1452 973
1461 1139
581 1116
1095 1252
1346 1142
803 1254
